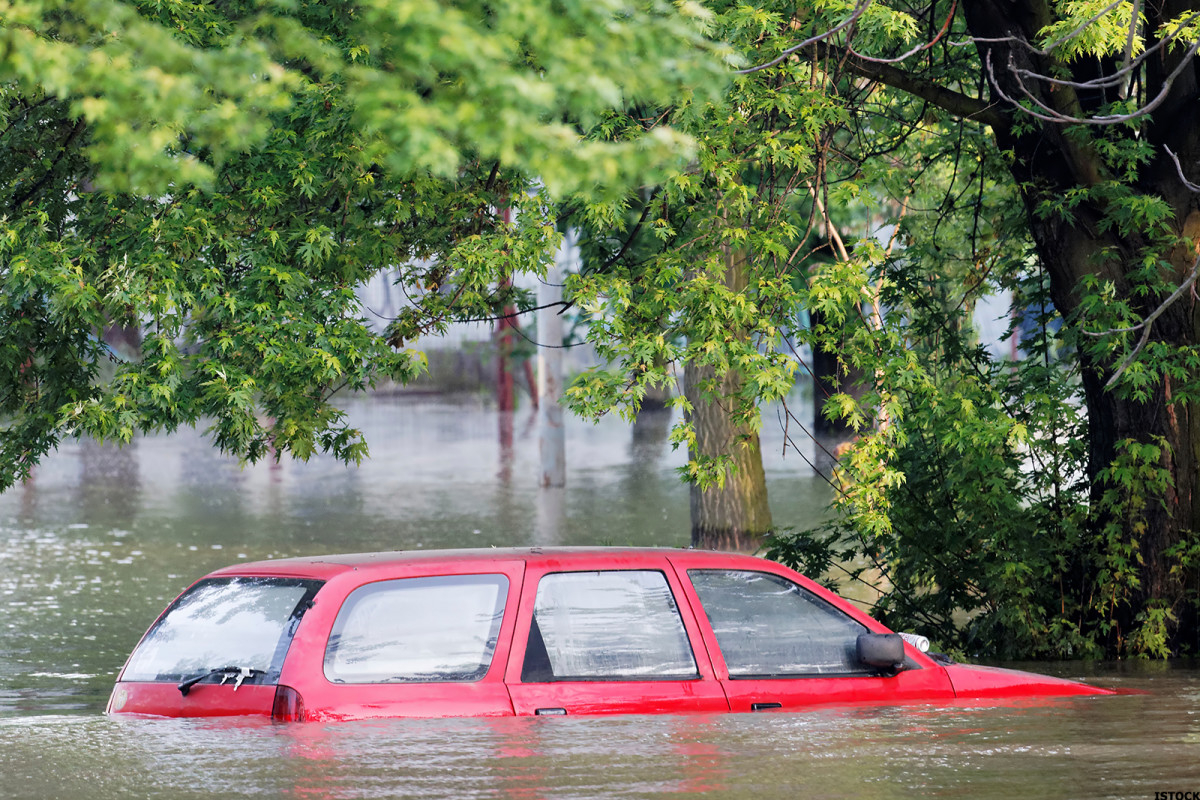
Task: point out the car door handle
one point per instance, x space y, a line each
764 706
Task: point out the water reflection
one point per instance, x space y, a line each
110 486
551 515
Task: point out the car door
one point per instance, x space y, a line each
608 641
428 640
779 644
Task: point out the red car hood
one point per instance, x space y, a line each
976 681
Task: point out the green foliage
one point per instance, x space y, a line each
1089 28
220 178
168 89
983 500
701 268
973 503
966 512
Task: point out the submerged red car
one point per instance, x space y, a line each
530 631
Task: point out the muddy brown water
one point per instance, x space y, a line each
101 539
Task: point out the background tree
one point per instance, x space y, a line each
226 175
695 279
970 492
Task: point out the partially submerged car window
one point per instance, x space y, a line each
417 630
224 622
618 625
768 626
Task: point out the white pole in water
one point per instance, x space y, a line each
551 441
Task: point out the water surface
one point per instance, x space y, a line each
102 538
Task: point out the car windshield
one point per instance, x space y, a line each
245 623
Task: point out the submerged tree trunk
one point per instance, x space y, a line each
734 516
1159 527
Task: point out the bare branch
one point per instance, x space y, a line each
1111 80
1114 79
1054 116
971 108
1191 187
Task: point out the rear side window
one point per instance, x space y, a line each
223 622
768 626
618 625
419 630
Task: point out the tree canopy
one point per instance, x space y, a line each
887 166
1089 111
224 176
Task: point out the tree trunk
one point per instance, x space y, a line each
734 516
1166 522
832 376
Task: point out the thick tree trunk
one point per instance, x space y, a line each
1159 527
736 515
1049 163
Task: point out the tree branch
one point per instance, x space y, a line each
1191 187
858 11
960 105
913 51
1055 116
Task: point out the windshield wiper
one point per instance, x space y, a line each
238 673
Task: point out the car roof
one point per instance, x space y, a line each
326 566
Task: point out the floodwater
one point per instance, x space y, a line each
101 539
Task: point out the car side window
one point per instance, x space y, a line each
416 630
610 625
767 626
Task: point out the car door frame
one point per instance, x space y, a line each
703 694
922 679
304 668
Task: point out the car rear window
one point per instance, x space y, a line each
768 626
435 629
223 622
613 625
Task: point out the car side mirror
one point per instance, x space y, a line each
881 650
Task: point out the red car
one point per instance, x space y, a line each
530 631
